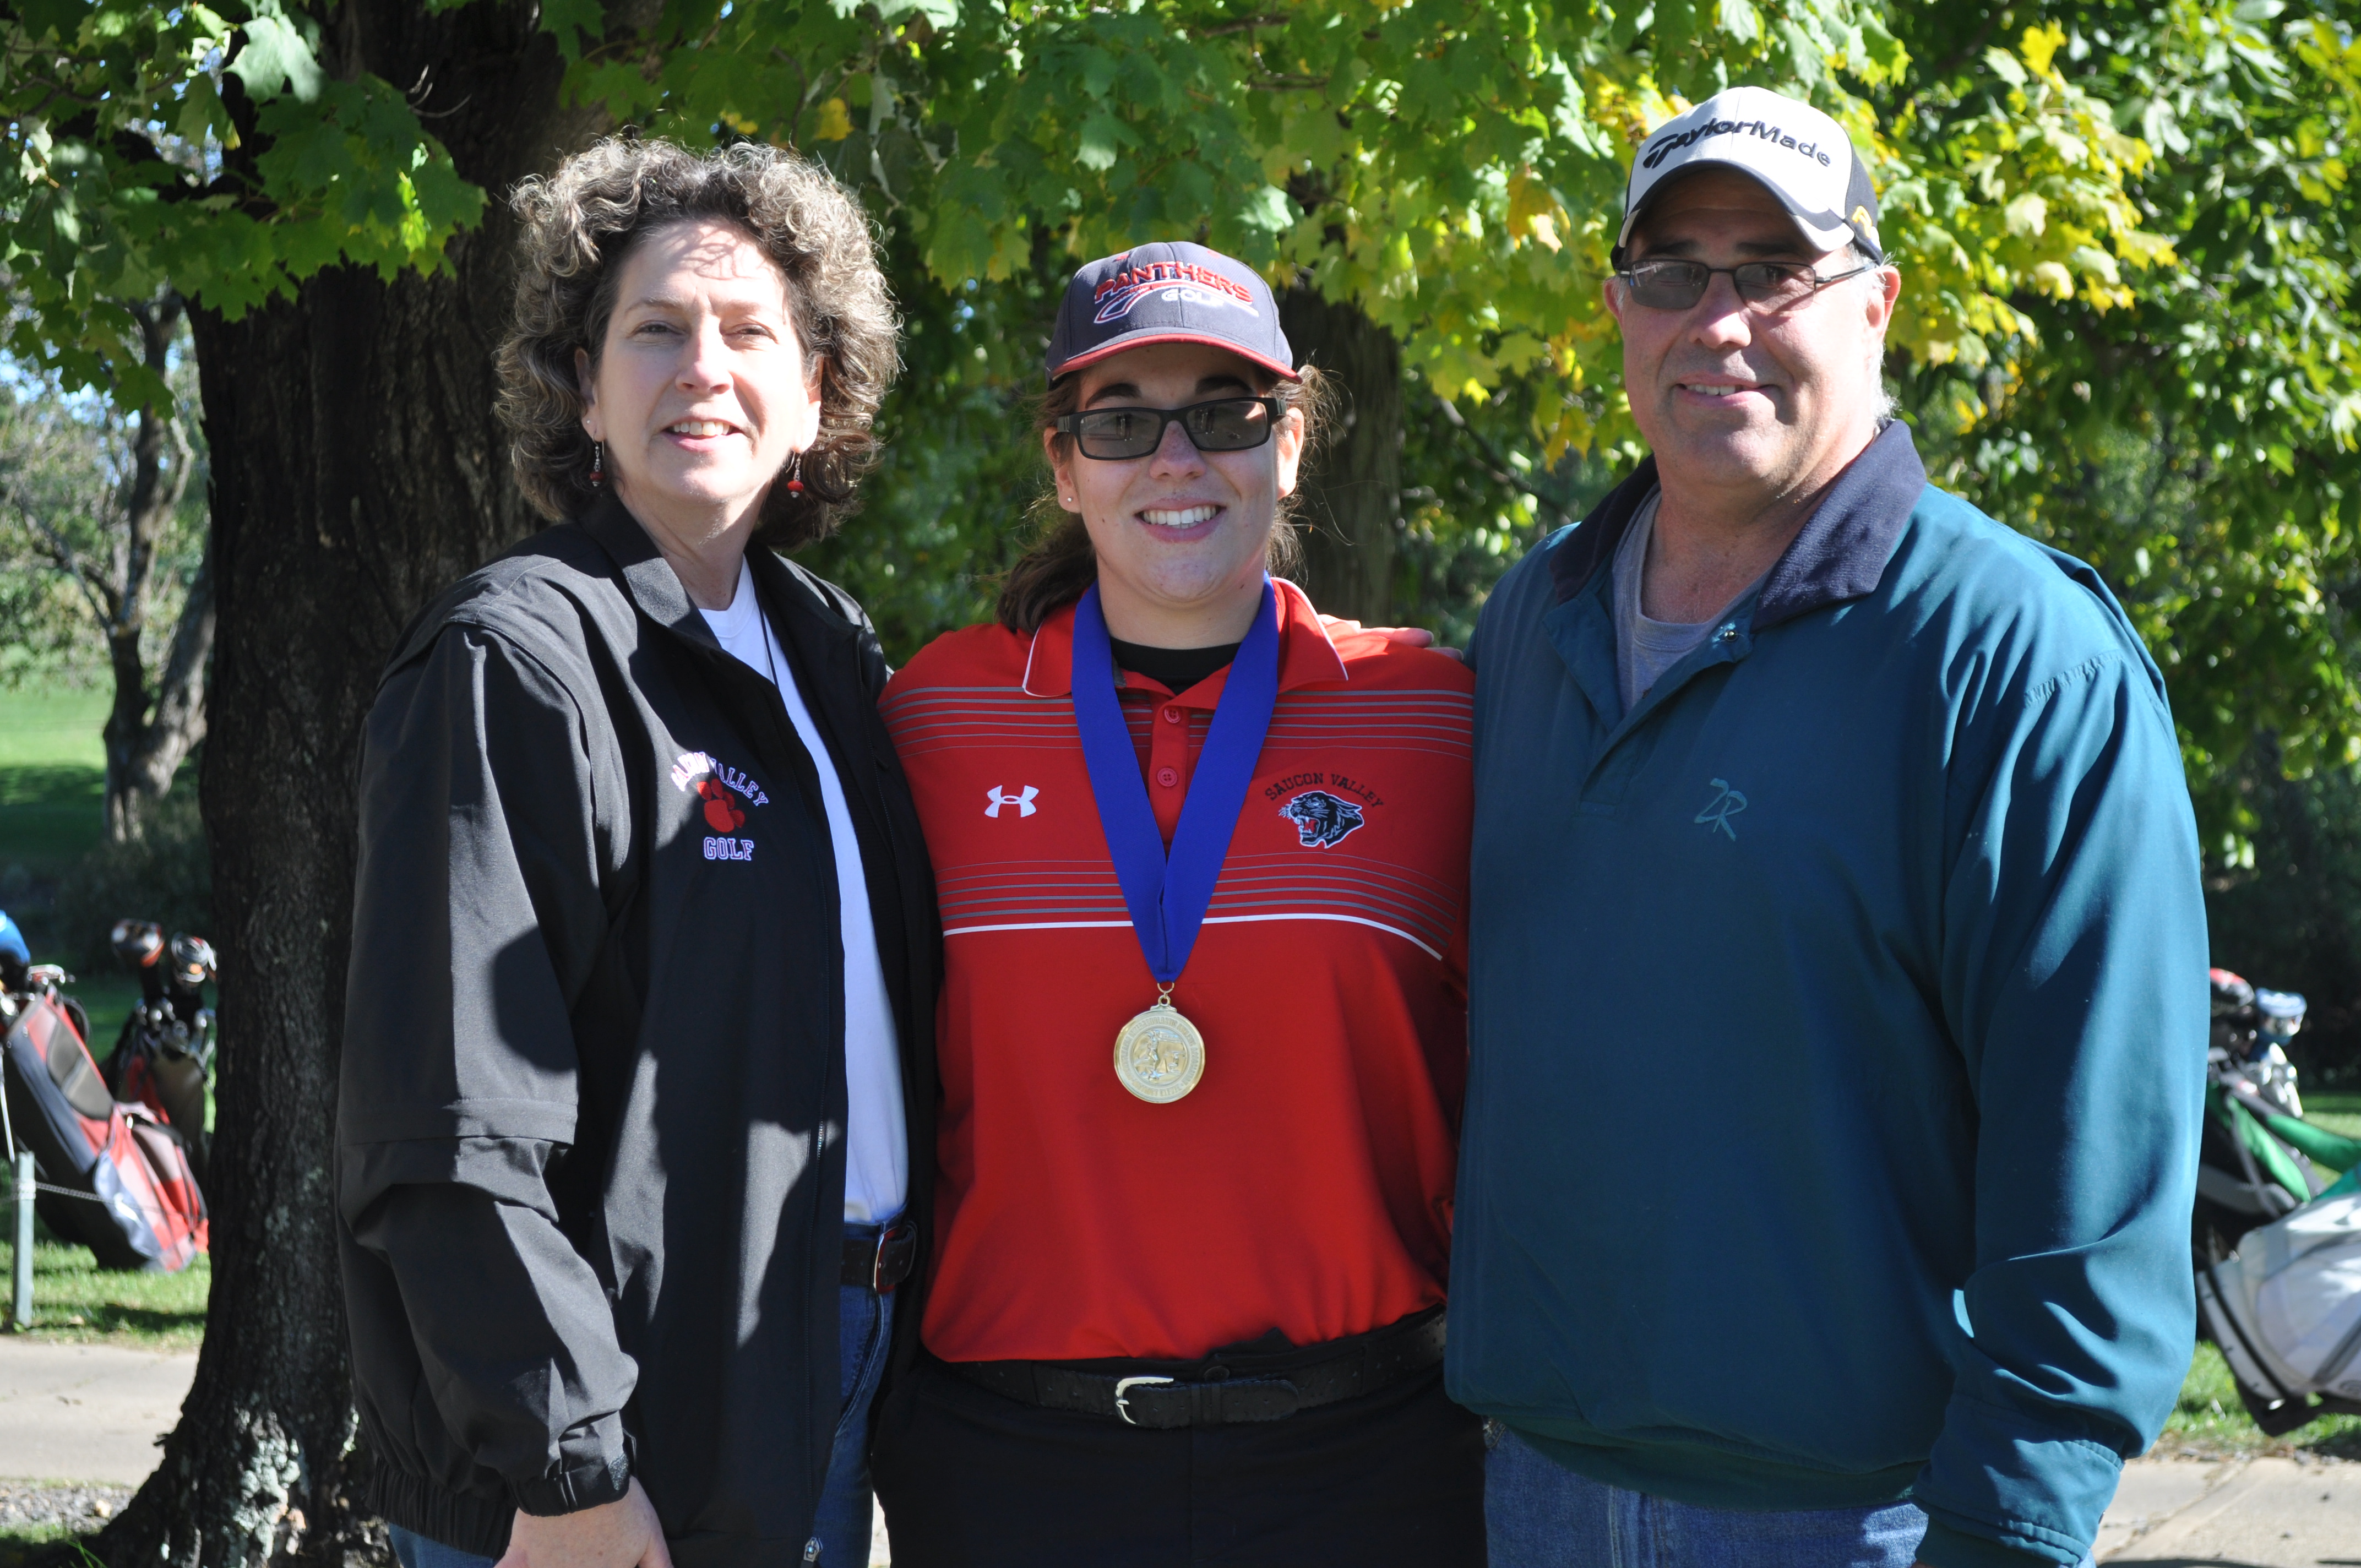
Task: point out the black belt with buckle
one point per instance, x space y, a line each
1226 1387
880 1262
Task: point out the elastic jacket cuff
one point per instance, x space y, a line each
1947 1548
605 1479
2020 1485
464 1521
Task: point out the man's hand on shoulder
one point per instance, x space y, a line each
622 1534
1408 636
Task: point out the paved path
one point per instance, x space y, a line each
2267 1513
86 1412
72 1412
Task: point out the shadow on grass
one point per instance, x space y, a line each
75 1301
2344 1444
51 783
50 1545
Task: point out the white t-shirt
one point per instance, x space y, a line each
876 1143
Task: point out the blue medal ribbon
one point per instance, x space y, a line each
1168 895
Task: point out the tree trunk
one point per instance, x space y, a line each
142 753
1352 496
357 469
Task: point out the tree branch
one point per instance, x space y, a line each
90 579
1500 466
1248 25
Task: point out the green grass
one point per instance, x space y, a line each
2337 1112
2210 1420
75 1301
53 725
108 998
52 775
17 1546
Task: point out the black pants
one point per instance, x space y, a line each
970 1479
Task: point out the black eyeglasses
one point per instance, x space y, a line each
1226 424
1679 285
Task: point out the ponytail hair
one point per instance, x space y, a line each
1060 566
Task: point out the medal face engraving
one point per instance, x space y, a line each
1159 1055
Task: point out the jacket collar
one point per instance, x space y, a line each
1839 554
648 577
1306 653
656 588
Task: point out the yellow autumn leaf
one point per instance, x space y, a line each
1532 208
2041 46
835 122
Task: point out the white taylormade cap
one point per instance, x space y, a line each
1798 154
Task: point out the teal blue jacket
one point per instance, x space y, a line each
1838 1022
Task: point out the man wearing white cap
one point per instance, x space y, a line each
1837 1043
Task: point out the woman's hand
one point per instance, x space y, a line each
622 1534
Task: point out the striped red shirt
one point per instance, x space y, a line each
1305 1185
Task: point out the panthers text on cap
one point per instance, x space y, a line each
1134 281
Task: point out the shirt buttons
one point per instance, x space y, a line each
1172 715
1727 632
1168 777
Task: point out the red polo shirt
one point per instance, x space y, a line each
1305 1184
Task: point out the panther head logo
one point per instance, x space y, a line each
1321 820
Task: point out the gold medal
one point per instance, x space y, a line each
1159 1055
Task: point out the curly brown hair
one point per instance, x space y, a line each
581 223
1061 565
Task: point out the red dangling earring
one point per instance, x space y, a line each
795 475
598 464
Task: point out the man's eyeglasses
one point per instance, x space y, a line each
1226 424
1670 285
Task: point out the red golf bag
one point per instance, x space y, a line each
124 1187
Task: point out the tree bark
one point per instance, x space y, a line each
1351 495
357 469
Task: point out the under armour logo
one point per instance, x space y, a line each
999 797
1722 808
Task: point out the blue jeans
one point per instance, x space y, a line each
1539 1514
865 1330
846 1505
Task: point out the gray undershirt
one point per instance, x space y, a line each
1645 647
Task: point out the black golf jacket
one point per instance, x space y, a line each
590 1132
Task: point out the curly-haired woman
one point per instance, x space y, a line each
1203 871
638 1082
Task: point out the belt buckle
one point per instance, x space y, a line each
1122 1388
900 1229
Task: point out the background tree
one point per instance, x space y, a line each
113 505
346 287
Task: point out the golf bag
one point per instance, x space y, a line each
163 1058
2278 1232
2286 1310
2257 1157
114 1178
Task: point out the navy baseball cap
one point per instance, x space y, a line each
1176 292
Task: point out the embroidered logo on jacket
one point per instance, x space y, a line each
1722 808
1321 820
724 792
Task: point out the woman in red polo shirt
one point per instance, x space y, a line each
1203 868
